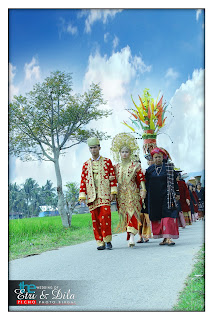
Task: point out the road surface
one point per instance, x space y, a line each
147 277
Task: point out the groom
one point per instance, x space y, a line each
99 191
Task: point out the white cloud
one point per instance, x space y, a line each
67 27
198 13
171 74
39 171
187 129
43 171
106 36
32 70
13 90
114 73
115 42
12 73
32 74
71 29
98 15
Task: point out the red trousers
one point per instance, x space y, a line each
101 221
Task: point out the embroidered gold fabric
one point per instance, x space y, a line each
98 203
128 196
144 226
132 230
82 196
113 190
98 185
90 185
107 238
100 243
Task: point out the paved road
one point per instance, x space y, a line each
147 277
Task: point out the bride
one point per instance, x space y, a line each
130 180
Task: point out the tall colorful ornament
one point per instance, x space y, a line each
148 117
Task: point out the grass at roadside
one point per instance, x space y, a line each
36 235
192 298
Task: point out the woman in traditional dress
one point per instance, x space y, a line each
201 195
192 201
130 179
196 202
144 225
163 195
184 199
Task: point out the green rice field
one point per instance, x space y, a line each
35 235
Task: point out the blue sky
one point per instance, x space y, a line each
58 38
125 51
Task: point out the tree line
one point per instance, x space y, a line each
28 197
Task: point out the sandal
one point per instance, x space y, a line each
147 240
163 242
140 241
170 242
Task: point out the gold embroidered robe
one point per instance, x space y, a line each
130 177
95 184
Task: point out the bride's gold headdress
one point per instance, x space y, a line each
124 140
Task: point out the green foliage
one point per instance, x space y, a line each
192 298
36 235
48 195
50 117
16 203
72 194
28 197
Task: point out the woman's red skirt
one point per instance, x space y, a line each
165 228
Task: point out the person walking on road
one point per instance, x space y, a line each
144 226
99 191
163 194
201 195
130 179
184 199
196 202
192 201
